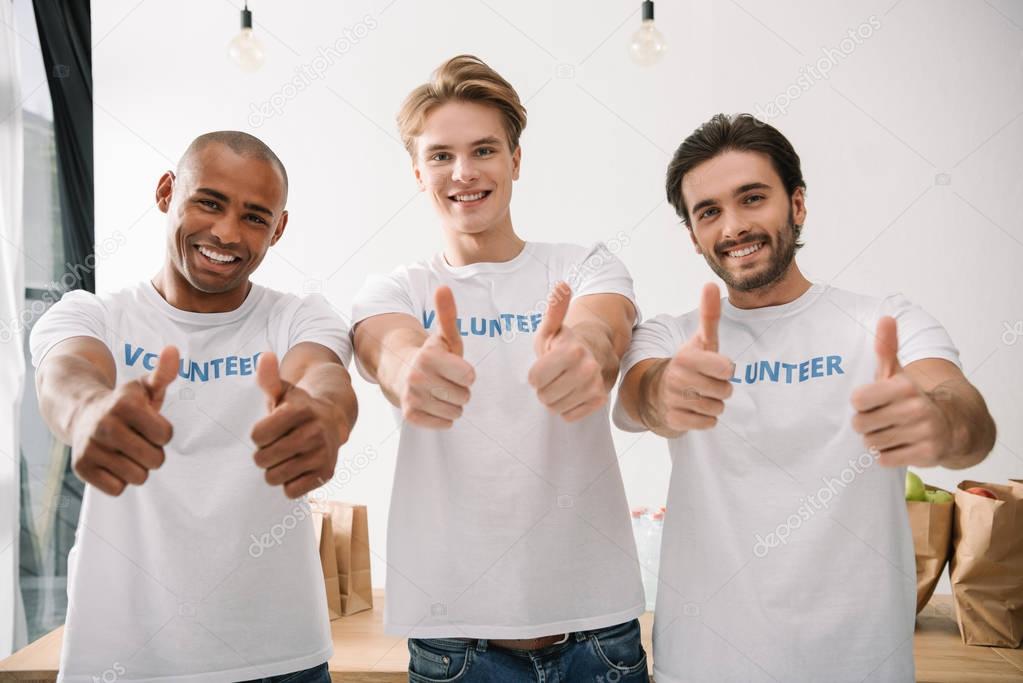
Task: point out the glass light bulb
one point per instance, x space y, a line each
246 50
647 45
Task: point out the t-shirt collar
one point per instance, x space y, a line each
154 297
771 312
485 266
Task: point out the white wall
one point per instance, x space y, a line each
936 88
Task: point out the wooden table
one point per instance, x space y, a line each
363 654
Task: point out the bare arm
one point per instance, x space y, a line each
116 433
423 374
670 396
639 396
385 345
73 374
318 371
971 428
312 410
925 414
603 322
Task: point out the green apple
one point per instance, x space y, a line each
939 497
915 488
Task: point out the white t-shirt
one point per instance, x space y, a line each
205 572
787 553
513 523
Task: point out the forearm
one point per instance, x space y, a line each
971 428
331 384
599 338
388 358
648 406
65 385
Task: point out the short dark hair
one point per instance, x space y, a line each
722 133
240 143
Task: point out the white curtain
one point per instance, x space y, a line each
12 359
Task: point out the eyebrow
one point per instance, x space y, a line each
227 200
742 189
489 140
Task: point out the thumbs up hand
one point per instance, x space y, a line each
566 375
695 382
434 386
895 416
298 442
120 434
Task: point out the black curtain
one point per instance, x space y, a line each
66 40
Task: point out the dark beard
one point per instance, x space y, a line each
783 251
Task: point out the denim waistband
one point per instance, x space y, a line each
481 644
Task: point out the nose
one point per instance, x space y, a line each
226 229
465 171
734 227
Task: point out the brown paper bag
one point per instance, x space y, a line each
351 546
328 561
932 543
987 564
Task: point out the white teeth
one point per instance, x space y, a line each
214 256
745 251
469 197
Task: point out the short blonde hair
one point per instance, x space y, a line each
464 78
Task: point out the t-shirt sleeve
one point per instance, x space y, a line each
77 314
382 294
920 335
600 272
658 337
315 320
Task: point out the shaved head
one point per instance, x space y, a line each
240 143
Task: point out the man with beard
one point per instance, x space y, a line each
177 572
787 553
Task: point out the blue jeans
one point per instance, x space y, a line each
607 655
317 674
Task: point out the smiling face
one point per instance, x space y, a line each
742 220
224 211
463 161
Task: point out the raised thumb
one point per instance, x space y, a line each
886 345
157 381
268 376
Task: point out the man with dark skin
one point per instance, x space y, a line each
180 519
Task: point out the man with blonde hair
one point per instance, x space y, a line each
510 554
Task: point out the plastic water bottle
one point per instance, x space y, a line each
652 563
638 523
640 530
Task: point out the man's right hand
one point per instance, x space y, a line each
435 384
693 385
119 435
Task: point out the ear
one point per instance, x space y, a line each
692 236
516 162
419 177
165 191
281 224
799 206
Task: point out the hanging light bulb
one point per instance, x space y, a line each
245 48
647 46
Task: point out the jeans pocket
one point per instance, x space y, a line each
438 660
620 647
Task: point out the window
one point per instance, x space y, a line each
50 493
